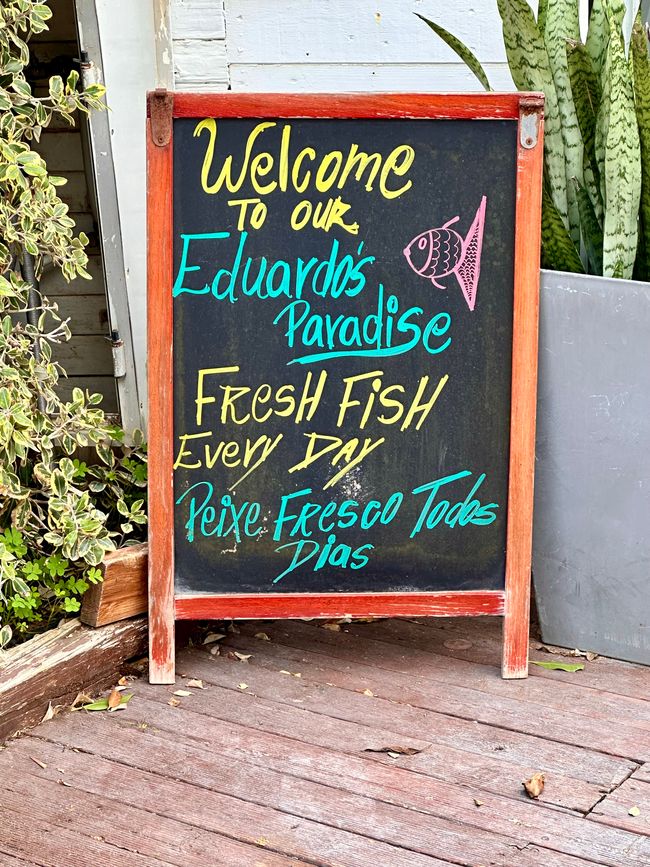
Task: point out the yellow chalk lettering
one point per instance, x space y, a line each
201 400
391 164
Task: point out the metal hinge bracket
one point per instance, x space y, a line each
161 104
530 114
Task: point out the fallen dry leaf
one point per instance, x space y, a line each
242 686
368 692
49 713
63 783
113 699
174 702
197 684
38 762
535 785
182 692
215 651
590 655
242 657
634 811
211 637
478 803
262 636
123 681
292 673
458 644
393 751
333 627
82 698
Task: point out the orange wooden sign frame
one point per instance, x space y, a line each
513 603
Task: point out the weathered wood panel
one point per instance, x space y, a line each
88 314
197 19
122 593
364 31
55 666
104 385
86 356
350 77
200 65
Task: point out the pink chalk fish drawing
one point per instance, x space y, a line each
436 253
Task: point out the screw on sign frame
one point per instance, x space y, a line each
513 603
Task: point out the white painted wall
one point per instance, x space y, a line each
332 45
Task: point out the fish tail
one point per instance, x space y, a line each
469 267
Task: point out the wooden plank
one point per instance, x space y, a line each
161 400
104 385
124 827
122 593
443 604
364 31
480 642
338 750
53 282
198 805
523 394
406 681
47 845
643 773
614 809
386 105
200 65
197 19
421 833
88 314
86 356
355 77
361 640
55 666
348 721
62 151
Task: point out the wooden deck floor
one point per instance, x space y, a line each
281 759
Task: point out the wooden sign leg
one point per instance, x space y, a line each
514 661
159 351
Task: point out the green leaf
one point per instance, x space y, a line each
468 58
531 70
587 96
558 250
597 36
622 163
592 232
102 703
641 67
561 24
560 666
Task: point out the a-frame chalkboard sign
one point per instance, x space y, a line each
342 350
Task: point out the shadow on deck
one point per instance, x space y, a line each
393 743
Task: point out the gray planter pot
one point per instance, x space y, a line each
591 549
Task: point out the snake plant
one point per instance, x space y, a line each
596 198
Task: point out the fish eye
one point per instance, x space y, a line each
422 243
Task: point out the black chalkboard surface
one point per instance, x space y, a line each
337 280
399 363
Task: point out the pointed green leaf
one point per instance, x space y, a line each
622 161
587 95
558 250
559 666
542 8
531 70
562 24
641 67
591 230
468 58
597 36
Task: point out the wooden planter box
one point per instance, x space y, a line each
54 667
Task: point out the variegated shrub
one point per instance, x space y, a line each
60 510
596 200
